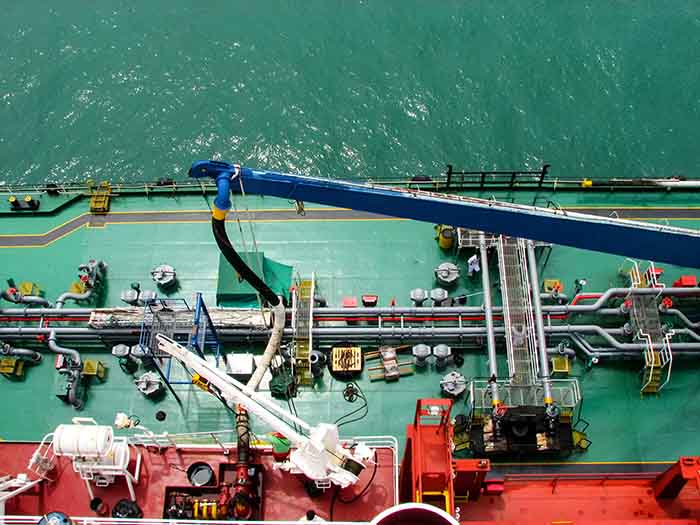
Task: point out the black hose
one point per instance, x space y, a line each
218 226
353 499
243 433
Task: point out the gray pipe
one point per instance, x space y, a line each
679 349
682 317
622 292
586 348
73 296
25 299
34 357
429 310
632 348
551 296
568 352
46 311
595 329
607 335
488 315
611 311
539 323
686 331
73 355
99 274
73 370
23 330
398 310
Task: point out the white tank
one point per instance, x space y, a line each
82 440
119 455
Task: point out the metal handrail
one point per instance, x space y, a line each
648 279
566 393
94 520
506 310
218 439
527 285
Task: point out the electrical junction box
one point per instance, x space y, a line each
12 367
240 366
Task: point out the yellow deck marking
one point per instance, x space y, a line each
206 210
306 219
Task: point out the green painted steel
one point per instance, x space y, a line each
385 257
233 292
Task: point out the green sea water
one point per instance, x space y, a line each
348 89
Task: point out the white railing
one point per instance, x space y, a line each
312 293
635 275
94 520
14 486
221 439
565 392
529 324
506 311
650 274
389 442
645 279
530 320
667 357
225 440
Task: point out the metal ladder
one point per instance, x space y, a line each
14 486
658 355
303 335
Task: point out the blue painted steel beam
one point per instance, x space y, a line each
634 239
679 246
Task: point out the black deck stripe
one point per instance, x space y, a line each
286 215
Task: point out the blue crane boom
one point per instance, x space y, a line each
661 243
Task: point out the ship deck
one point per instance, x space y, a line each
351 254
285 498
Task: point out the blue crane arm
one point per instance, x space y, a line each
628 238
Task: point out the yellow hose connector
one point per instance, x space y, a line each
218 214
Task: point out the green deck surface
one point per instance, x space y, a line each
384 257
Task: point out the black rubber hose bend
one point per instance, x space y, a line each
218 226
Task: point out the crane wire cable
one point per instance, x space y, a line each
251 219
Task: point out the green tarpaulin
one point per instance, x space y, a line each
230 291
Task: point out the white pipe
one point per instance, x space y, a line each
488 316
273 345
539 324
237 392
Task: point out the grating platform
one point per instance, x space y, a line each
517 312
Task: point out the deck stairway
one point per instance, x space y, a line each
302 322
523 387
100 198
646 323
521 345
11 486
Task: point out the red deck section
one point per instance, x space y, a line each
584 502
284 495
526 499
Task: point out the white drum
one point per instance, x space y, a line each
82 440
119 456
